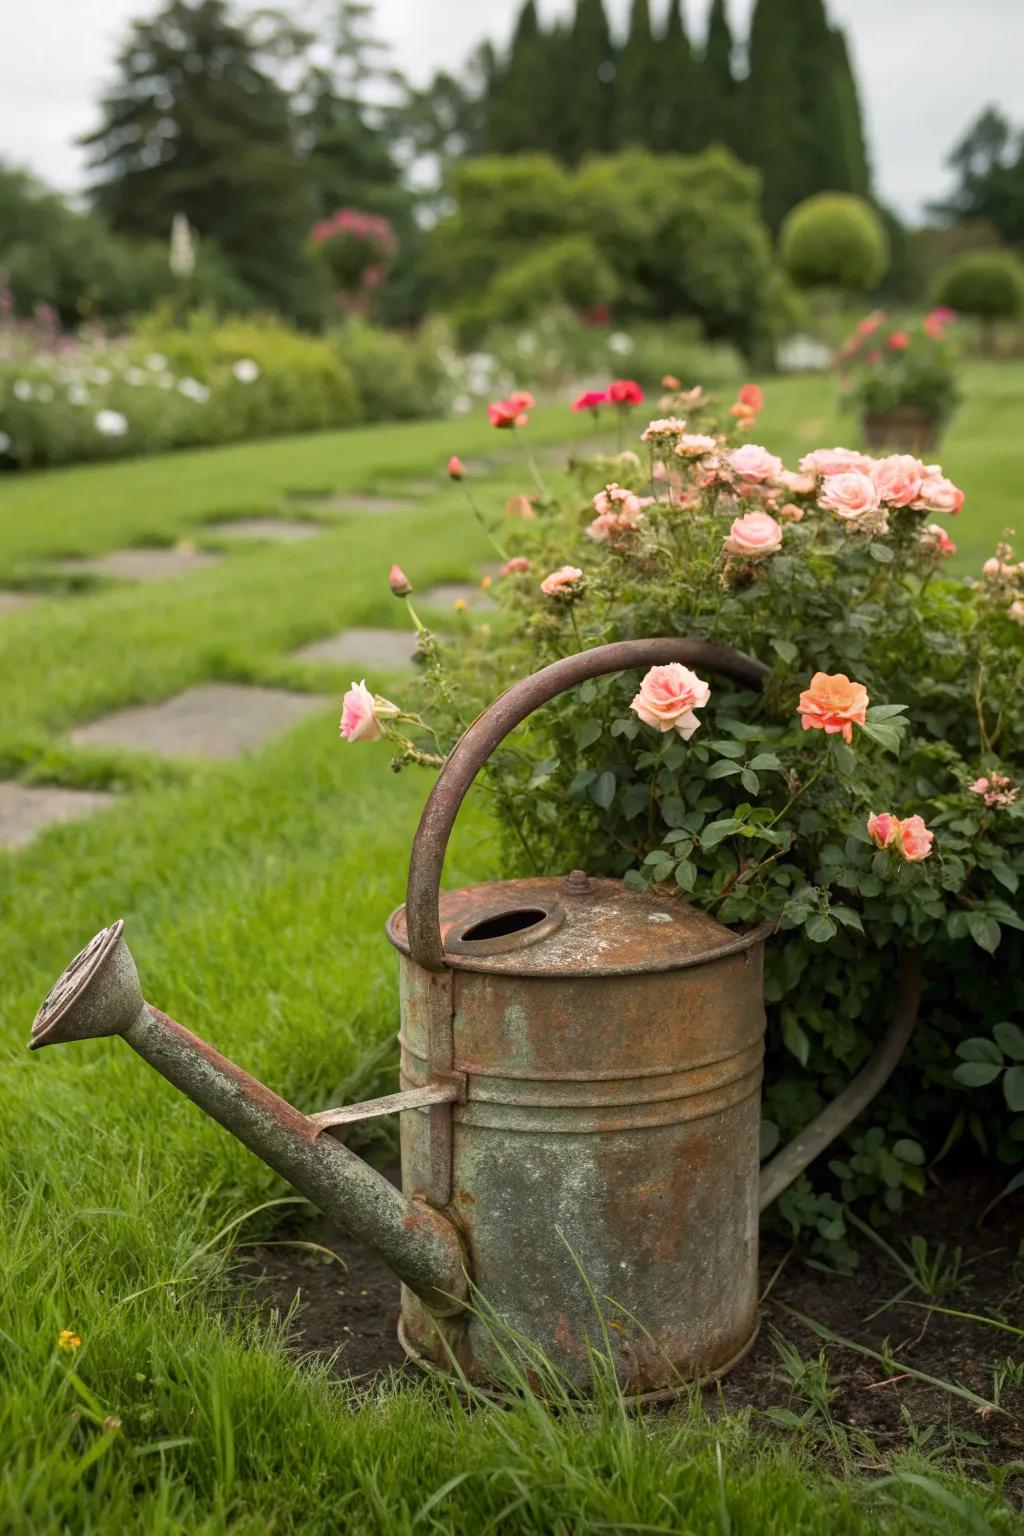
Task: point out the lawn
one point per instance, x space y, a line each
254 895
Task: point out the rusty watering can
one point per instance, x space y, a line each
581 1070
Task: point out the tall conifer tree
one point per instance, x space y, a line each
675 118
716 82
638 82
586 85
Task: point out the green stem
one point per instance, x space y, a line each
535 473
480 519
815 776
575 626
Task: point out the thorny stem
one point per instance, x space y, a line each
795 796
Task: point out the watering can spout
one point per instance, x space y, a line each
99 994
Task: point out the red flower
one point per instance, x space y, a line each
506 413
590 400
399 582
456 468
522 400
898 341
751 397
625 392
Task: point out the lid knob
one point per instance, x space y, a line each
577 883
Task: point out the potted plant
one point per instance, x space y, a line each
901 378
357 249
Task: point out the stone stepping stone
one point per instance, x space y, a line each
447 593
13 602
141 564
214 720
363 648
26 809
363 504
278 529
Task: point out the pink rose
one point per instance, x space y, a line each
797 485
992 567
915 840
693 445
752 462
603 527
883 829
898 479
939 494
936 541
668 697
615 499
850 495
836 461
562 580
362 713
755 534
517 563
1016 611
791 513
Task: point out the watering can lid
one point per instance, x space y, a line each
573 926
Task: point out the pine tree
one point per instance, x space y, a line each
716 83
586 85
194 125
675 119
638 82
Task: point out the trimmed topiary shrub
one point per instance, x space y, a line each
834 240
986 284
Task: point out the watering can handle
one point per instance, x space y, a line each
490 729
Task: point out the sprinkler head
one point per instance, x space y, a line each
98 994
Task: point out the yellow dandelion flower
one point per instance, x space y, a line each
68 1339
460 605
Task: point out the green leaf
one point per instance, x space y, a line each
819 928
880 552
633 880
980 1049
542 772
770 1137
845 757
785 650
718 831
1011 1040
879 712
795 1040
885 735
633 800
723 769
686 876
727 748
1013 1088
673 811
750 781
984 931
976 1074
587 733
765 762
848 917
1006 876
602 791
908 1151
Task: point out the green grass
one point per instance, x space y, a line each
255 895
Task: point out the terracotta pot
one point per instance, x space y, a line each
904 429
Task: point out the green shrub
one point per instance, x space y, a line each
834 240
988 285
665 235
397 377
756 817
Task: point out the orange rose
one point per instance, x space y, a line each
833 705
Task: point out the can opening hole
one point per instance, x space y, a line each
503 923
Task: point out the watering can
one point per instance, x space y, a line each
580 1103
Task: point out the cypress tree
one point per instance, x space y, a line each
638 82
586 85
675 122
716 83
774 133
512 122
855 156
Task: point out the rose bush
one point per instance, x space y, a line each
851 800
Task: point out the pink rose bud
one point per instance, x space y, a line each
399 582
791 513
456 468
992 567
915 840
883 829
362 713
668 697
517 563
561 581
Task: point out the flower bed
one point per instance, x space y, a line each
866 800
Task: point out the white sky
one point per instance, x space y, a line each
926 67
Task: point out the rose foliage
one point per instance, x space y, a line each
865 800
